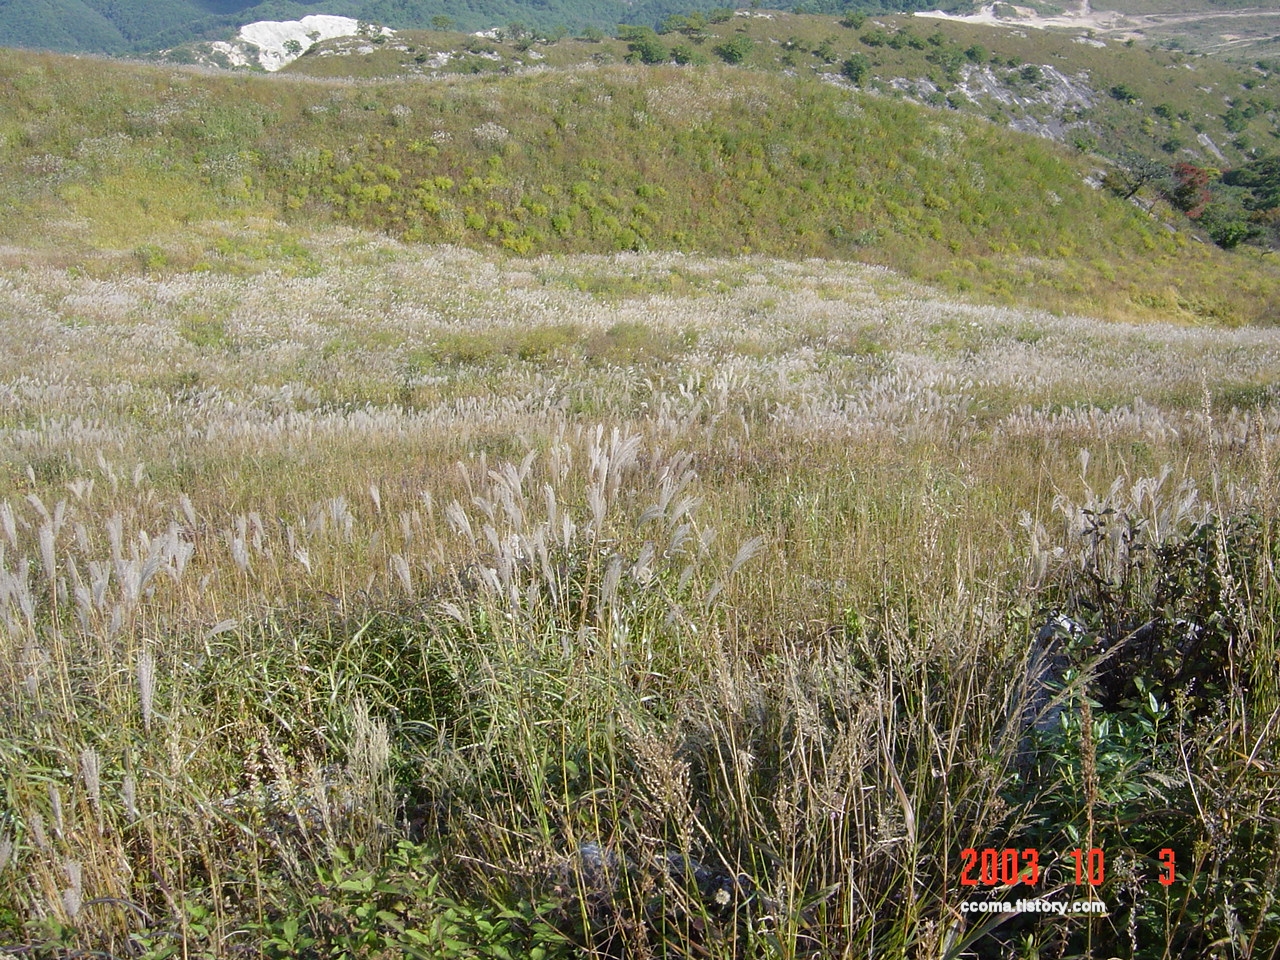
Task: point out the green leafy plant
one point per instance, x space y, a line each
400 907
735 50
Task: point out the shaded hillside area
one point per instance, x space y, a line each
110 26
119 158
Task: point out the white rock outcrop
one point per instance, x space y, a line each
280 42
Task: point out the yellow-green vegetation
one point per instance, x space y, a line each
1094 93
106 157
1116 101
435 603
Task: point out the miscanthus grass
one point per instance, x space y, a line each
442 605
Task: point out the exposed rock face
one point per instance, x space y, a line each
1046 108
279 42
1050 106
273 44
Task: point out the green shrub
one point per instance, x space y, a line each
150 257
400 908
1124 93
204 331
644 45
856 67
735 50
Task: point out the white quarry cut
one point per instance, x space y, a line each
234 52
272 36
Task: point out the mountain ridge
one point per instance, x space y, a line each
118 27
144 26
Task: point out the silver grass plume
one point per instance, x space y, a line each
73 896
146 686
129 793
91 772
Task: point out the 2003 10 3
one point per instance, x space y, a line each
990 867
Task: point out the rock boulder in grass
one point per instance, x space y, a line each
596 872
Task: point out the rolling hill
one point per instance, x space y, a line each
1166 125
159 164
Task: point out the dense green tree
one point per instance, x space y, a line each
691 24
735 50
1261 179
672 23
856 67
644 44
1228 224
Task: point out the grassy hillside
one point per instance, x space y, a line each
106 158
1101 95
1166 125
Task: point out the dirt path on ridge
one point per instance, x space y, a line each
1105 22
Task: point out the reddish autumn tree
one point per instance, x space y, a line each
1190 189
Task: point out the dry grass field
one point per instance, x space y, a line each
431 602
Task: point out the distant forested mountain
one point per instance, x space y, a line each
139 26
115 26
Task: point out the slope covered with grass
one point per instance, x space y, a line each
112 157
1150 113
1090 93
431 602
